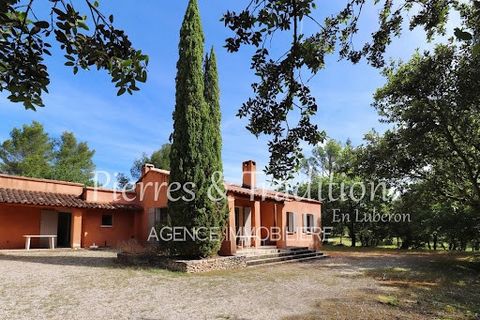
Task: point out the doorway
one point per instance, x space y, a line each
63 230
48 226
243 226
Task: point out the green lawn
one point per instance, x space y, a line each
346 242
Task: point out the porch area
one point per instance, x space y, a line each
36 227
254 225
42 227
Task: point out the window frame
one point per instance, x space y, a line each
307 228
290 227
102 225
158 211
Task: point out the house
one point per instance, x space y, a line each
83 216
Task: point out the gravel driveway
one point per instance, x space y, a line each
89 285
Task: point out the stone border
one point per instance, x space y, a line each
187 266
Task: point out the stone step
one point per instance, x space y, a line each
277 254
253 252
320 256
289 257
250 252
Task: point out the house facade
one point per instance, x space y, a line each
82 217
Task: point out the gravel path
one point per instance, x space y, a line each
89 285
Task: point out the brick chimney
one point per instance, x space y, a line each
146 167
249 169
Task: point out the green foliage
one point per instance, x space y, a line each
123 182
193 154
24 43
31 152
72 160
212 98
334 178
213 138
437 222
160 159
282 92
328 159
432 152
28 152
433 103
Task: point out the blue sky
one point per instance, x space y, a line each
120 129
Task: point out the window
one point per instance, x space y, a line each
290 222
309 223
107 220
161 217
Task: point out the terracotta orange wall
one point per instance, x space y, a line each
16 221
151 193
267 216
123 228
41 185
107 196
299 209
76 227
229 246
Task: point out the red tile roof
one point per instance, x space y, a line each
258 193
49 199
266 194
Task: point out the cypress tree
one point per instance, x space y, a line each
213 134
191 152
212 98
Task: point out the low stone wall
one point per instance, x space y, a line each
205 265
189 266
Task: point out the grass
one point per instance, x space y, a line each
388 300
414 285
347 242
448 286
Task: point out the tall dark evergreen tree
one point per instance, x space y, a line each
212 97
191 153
213 136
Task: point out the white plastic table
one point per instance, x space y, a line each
29 237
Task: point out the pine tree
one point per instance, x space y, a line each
191 152
31 152
73 161
28 152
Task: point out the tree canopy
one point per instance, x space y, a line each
87 40
282 93
433 103
31 152
159 158
282 105
431 153
72 160
28 152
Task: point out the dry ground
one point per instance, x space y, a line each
348 285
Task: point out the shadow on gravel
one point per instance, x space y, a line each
426 286
63 260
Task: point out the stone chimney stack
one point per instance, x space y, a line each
146 167
249 169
